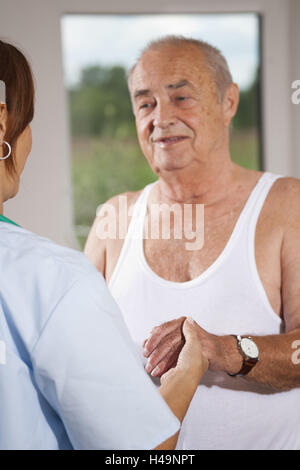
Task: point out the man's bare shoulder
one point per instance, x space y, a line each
111 209
285 197
130 197
287 184
107 214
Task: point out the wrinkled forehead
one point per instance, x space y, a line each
167 65
2 92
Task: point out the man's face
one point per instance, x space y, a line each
179 120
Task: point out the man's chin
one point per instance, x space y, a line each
172 164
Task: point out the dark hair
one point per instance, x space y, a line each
16 73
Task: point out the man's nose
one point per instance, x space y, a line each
163 115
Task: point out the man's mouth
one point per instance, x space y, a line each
170 140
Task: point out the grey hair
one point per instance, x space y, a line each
215 61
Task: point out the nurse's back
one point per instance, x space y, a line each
35 275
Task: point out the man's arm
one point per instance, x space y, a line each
95 248
279 365
106 237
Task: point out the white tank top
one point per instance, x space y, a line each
228 298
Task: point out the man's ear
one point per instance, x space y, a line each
3 119
230 103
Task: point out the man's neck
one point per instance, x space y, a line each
204 187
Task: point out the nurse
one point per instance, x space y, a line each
70 378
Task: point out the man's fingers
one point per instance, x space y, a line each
164 350
169 361
159 332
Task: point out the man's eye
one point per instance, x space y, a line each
145 106
181 98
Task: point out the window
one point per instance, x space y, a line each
98 50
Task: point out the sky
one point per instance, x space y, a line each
118 39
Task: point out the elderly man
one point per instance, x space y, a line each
241 285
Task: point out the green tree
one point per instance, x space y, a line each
248 110
100 103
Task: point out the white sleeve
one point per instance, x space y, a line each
85 365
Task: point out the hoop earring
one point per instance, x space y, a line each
9 151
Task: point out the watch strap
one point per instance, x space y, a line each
247 366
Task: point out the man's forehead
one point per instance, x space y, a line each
168 71
169 86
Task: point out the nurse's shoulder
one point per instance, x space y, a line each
35 275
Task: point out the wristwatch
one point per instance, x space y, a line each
249 352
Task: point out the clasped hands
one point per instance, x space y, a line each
166 341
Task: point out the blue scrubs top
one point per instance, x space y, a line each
70 377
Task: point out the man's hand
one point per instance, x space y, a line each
166 341
163 346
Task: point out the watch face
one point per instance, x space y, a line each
249 348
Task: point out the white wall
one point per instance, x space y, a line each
44 204
295 75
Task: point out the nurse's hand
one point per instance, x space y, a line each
179 384
191 363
